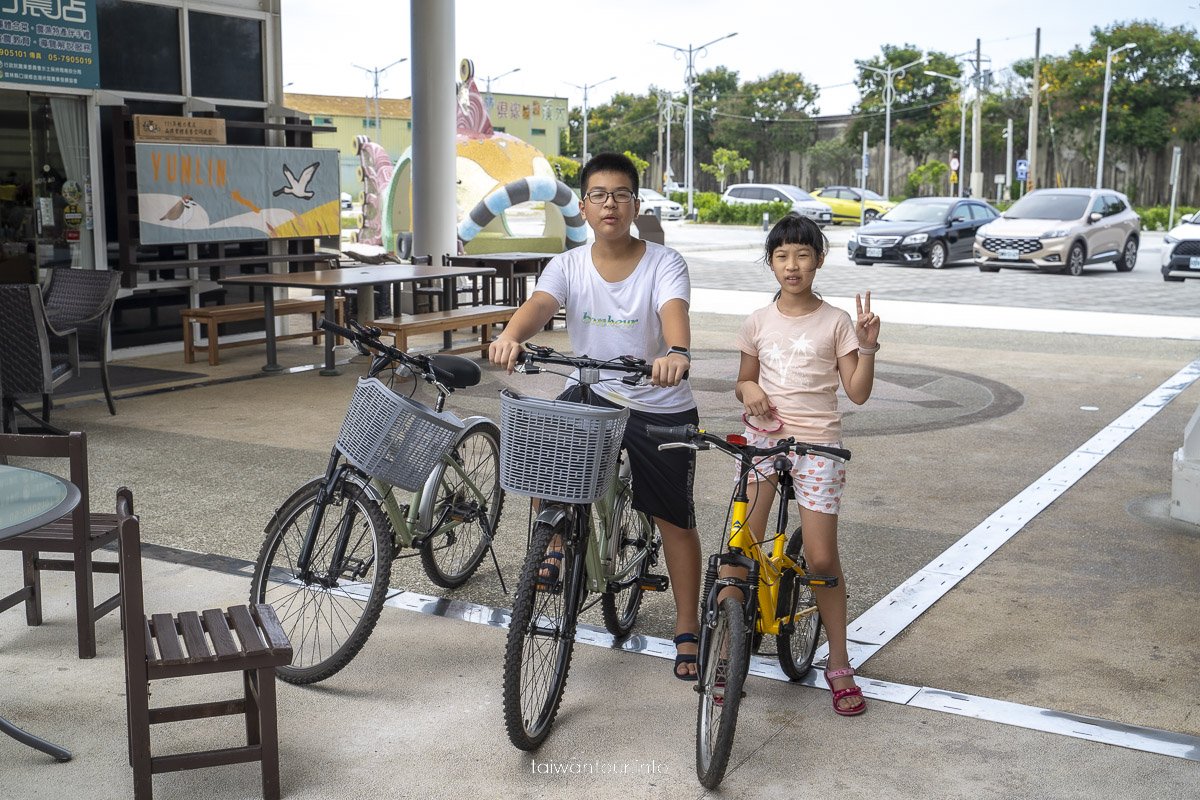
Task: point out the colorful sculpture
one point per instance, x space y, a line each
495 171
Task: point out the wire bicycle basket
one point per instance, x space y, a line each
558 450
395 439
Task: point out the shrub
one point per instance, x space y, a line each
730 214
1154 218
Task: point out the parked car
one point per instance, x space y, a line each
847 203
1061 230
668 209
1181 250
802 202
931 231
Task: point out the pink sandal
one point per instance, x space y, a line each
832 675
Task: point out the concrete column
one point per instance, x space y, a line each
1185 474
434 125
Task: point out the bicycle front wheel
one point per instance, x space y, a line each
726 662
451 555
635 534
541 639
329 611
797 647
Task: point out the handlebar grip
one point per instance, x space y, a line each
345 333
836 452
675 433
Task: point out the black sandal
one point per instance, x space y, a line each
685 658
548 573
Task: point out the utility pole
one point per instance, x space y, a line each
377 71
585 87
1033 107
976 142
664 101
889 95
1104 110
690 53
1008 160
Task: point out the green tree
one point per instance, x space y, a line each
915 94
768 118
567 169
639 164
725 163
832 161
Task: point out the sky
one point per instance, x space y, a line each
557 44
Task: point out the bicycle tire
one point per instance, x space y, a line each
716 721
537 659
637 533
451 557
796 649
327 627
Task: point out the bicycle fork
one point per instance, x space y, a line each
334 473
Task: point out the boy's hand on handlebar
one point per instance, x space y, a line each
669 370
756 401
505 353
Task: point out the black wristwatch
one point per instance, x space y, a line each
683 351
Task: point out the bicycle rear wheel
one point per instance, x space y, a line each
541 639
796 649
451 556
327 613
726 661
635 533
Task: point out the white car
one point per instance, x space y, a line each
668 209
1181 250
802 202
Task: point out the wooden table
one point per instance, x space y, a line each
28 500
512 268
363 277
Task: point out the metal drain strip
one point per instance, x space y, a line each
899 608
1133 737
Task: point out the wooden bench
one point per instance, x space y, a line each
483 317
212 316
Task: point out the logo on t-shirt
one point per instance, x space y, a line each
780 360
608 321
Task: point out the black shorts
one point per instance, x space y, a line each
662 479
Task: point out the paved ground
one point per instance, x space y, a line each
1088 609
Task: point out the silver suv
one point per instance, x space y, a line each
1061 230
803 203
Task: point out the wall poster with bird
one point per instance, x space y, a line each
209 193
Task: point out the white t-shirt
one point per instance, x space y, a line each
606 320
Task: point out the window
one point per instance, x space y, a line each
322 120
139 47
1098 206
227 56
961 210
979 212
368 122
248 136
538 132
1113 205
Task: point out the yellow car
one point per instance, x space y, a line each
847 203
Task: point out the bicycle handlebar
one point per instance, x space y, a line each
690 435
629 364
447 372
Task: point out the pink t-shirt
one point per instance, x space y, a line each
797 368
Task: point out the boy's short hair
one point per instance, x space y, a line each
609 162
795 229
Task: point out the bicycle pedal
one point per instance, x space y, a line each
464 512
654 583
824 581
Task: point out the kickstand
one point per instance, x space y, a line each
487 531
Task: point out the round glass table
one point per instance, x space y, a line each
28 500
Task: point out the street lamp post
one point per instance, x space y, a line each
889 94
691 53
376 72
488 80
962 125
1104 110
585 88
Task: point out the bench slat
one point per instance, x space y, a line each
218 630
246 630
193 635
167 636
265 616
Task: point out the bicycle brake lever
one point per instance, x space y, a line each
688 445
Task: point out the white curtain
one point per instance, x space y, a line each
70 125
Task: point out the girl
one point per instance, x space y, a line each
793 353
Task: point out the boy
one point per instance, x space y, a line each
625 296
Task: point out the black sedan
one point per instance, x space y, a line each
929 231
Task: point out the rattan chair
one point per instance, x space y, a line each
83 299
26 361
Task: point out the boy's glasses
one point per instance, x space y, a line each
599 197
778 427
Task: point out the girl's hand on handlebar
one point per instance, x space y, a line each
505 353
669 370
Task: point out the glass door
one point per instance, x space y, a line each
18 226
61 184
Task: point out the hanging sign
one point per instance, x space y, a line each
50 43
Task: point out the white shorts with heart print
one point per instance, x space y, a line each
819 480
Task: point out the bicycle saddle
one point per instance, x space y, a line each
456 372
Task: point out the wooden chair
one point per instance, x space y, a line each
246 639
79 534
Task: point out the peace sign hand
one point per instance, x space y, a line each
867 327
